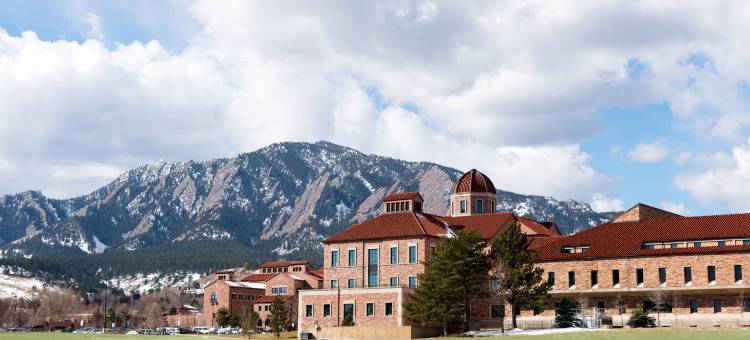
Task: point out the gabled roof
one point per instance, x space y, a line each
317 272
263 277
541 228
393 225
487 225
401 196
626 239
272 264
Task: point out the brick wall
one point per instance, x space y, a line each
224 299
359 298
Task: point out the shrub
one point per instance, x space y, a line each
348 320
565 314
641 319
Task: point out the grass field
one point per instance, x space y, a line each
645 334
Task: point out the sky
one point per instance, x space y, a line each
608 102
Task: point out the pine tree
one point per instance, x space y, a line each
519 279
450 280
223 317
278 319
250 322
565 314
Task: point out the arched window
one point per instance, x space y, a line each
214 297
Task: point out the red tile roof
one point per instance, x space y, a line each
401 196
272 264
414 224
259 277
270 298
392 225
474 181
626 239
317 272
541 228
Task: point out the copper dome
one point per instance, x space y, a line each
474 181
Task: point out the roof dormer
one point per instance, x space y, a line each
403 201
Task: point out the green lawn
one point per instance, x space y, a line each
638 334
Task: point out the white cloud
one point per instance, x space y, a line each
675 207
648 152
726 182
261 72
683 157
601 203
95 29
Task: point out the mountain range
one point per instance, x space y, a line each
280 201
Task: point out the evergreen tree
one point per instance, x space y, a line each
348 320
519 279
278 316
223 317
250 322
450 280
565 314
640 318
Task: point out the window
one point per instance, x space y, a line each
551 278
334 283
394 255
214 297
717 305
667 305
394 281
412 281
462 206
737 273
349 310
697 244
280 290
352 257
693 306
308 311
234 296
594 278
746 242
267 308
711 274
649 246
492 206
222 277
497 311
662 276
722 243
351 283
615 277
388 308
372 267
571 279
334 258
412 254
478 206
639 276
433 250
493 284
327 309
688 275
370 309
674 245
745 305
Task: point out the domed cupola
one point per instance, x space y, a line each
473 194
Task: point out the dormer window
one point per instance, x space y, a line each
574 249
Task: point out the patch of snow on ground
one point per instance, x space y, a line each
19 286
518 331
99 247
143 283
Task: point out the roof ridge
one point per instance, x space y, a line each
419 223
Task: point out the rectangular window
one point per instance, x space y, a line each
717 305
412 281
745 305
351 283
479 206
711 274
327 309
308 311
674 245
394 255
497 311
639 276
352 257
370 309
737 273
388 308
334 258
722 243
493 284
551 278
594 278
349 310
746 242
394 281
372 267
412 254
688 274
693 306
234 296
334 284
696 244
650 246
462 206
615 277
662 276
667 306
283 290
492 206
571 279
